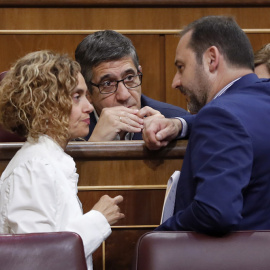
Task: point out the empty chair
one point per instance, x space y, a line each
247 250
42 251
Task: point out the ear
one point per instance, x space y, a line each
140 68
212 58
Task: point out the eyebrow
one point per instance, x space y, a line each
130 70
75 90
108 75
105 76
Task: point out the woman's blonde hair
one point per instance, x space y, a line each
262 56
35 95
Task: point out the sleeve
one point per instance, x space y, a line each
93 228
187 122
32 198
221 158
33 206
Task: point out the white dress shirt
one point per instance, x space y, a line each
38 193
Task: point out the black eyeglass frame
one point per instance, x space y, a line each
140 75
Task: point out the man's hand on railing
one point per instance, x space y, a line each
158 132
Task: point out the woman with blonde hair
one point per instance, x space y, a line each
262 62
44 97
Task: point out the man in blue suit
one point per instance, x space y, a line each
225 179
111 69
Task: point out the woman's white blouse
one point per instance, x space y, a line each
39 194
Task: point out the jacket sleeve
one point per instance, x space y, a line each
220 160
189 119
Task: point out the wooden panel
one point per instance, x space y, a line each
258 40
120 248
124 18
98 256
133 3
14 46
127 172
141 207
173 96
150 49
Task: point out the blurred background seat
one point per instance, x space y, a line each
42 251
245 250
6 136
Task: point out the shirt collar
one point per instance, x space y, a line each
224 89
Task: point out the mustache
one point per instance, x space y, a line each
183 90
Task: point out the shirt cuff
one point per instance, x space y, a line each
184 127
93 228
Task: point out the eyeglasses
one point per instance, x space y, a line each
108 87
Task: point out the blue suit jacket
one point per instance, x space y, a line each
166 109
225 179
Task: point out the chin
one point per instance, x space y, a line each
80 134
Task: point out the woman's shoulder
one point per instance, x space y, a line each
29 156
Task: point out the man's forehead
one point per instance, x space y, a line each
183 47
184 40
119 66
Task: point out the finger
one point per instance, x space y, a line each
149 137
165 134
154 146
128 128
118 199
118 111
125 117
147 111
150 141
121 108
121 215
131 122
125 109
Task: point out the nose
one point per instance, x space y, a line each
88 107
122 93
176 81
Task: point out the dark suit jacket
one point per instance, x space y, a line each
166 109
225 180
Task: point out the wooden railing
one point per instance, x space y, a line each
134 3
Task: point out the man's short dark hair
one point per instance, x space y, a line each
224 33
103 46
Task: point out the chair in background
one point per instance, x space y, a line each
6 136
42 251
245 250
2 75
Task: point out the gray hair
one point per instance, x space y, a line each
103 46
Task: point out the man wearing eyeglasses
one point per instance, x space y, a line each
111 70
